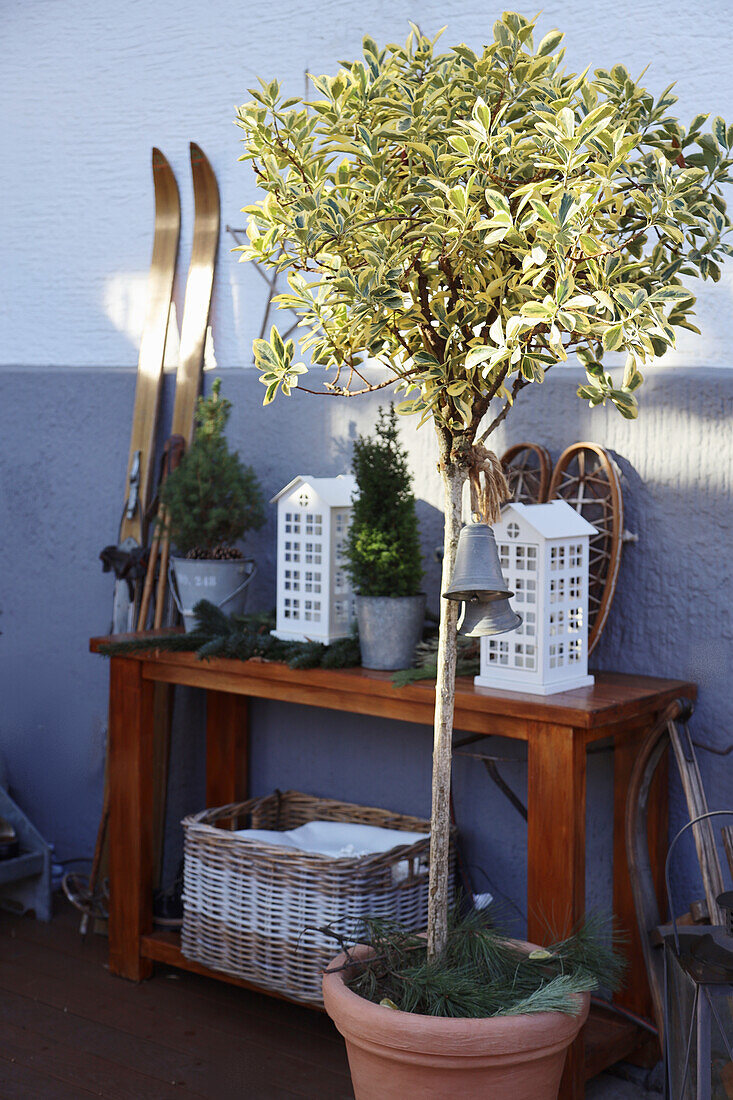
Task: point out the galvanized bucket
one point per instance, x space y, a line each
389 629
224 583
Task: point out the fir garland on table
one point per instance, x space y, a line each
241 637
426 661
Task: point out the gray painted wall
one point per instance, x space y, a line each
89 87
64 439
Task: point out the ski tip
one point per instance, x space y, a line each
159 159
205 187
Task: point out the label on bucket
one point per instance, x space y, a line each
198 581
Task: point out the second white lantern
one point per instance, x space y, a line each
543 550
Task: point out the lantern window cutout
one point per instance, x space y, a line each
543 550
314 597
698 991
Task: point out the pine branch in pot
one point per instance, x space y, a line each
493 1018
383 550
211 500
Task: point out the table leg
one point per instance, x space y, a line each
556 852
635 995
227 748
162 717
130 817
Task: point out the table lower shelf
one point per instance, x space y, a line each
165 947
608 1037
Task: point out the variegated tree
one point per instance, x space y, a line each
468 220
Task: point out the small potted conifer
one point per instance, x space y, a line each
383 550
211 500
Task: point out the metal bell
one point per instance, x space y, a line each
477 573
483 617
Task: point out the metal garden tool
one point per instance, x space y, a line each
8 840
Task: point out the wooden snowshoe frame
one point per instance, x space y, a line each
528 468
586 478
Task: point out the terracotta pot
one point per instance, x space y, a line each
395 1055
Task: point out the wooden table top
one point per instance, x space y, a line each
613 698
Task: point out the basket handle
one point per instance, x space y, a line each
176 596
247 580
278 812
173 587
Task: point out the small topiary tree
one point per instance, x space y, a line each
383 546
468 220
211 499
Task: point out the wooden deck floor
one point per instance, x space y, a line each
69 1030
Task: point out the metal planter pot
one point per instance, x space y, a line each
224 583
389 629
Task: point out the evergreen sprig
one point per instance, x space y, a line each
483 973
383 544
426 661
211 499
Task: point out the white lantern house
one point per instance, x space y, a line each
544 553
314 597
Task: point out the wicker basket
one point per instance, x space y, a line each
254 910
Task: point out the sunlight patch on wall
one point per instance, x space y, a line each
210 362
125 302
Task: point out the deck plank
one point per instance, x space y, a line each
54 1043
67 1022
21 1082
61 937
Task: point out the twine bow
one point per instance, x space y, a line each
490 492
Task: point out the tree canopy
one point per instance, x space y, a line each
469 219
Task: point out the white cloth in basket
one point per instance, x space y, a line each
335 839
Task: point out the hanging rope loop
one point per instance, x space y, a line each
489 492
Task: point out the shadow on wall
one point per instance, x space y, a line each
307 434
673 608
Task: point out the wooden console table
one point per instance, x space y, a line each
557 728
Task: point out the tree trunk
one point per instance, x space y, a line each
453 477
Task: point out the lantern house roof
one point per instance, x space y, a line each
336 492
554 520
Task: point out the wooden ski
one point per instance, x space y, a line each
124 559
199 286
197 304
194 326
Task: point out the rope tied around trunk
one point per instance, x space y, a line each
490 492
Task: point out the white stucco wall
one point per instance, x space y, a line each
89 86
